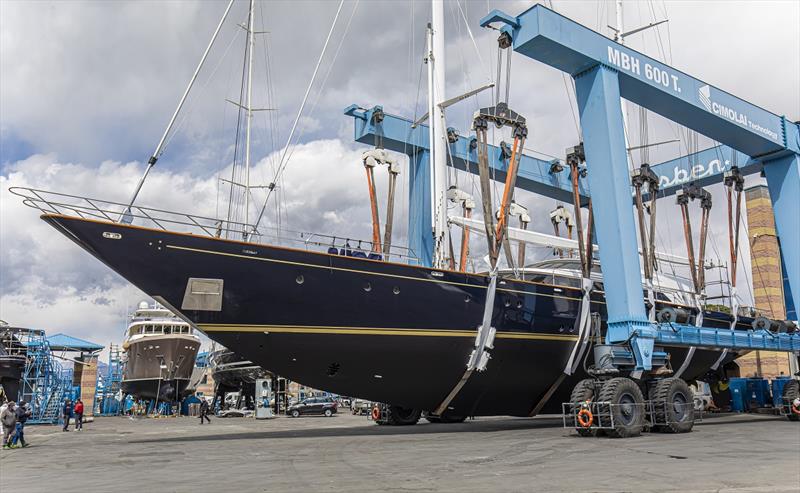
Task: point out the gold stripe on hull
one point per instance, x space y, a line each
285 329
382 274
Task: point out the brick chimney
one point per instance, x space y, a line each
765 260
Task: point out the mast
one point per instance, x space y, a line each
437 132
251 42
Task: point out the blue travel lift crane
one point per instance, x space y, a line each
604 71
632 357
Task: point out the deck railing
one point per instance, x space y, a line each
116 212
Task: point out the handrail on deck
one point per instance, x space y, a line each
105 210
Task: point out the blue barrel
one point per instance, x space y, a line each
777 390
738 390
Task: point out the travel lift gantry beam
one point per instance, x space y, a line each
375 127
604 71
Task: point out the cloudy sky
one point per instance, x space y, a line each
86 89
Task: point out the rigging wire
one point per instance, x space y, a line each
236 201
282 163
484 68
325 78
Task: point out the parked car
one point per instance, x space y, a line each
313 405
361 407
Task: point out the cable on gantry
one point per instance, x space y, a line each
734 183
644 176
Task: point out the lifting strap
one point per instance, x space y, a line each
575 357
734 182
583 323
371 159
575 157
501 229
373 203
641 177
692 192
496 234
462 262
394 170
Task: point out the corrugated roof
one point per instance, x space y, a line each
63 342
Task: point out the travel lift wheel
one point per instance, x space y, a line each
626 407
791 398
583 392
673 405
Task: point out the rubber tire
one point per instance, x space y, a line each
613 392
295 413
401 416
666 390
583 391
791 391
328 413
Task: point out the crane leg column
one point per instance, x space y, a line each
598 96
783 180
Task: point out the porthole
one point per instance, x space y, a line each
507 303
519 305
367 287
300 279
396 290
467 298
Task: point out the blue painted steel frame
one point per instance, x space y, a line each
691 335
604 71
562 43
397 134
704 167
597 91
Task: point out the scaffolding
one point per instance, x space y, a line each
109 385
45 383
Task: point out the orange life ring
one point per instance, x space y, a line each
585 417
376 413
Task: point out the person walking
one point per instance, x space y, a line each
204 411
79 415
23 413
67 413
9 419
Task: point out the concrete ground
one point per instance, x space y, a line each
734 453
